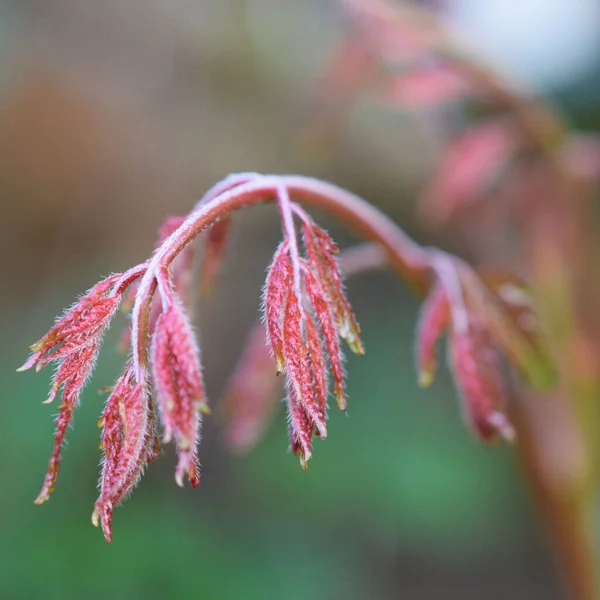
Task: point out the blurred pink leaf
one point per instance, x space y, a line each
469 165
214 250
252 395
424 87
521 339
475 365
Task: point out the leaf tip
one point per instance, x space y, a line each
426 378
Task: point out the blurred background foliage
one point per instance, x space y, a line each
115 114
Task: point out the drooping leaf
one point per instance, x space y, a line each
505 305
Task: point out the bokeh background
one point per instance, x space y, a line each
114 114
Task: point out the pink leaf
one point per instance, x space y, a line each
297 364
84 323
73 374
300 428
477 372
177 375
325 319
251 396
470 163
424 87
434 319
127 440
320 250
214 250
279 281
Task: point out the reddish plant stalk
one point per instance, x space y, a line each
307 315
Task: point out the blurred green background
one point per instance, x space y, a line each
116 114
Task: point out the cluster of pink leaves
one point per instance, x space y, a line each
304 324
129 436
73 344
474 361
251 398
306 315
485 315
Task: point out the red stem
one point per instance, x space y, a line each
405 256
